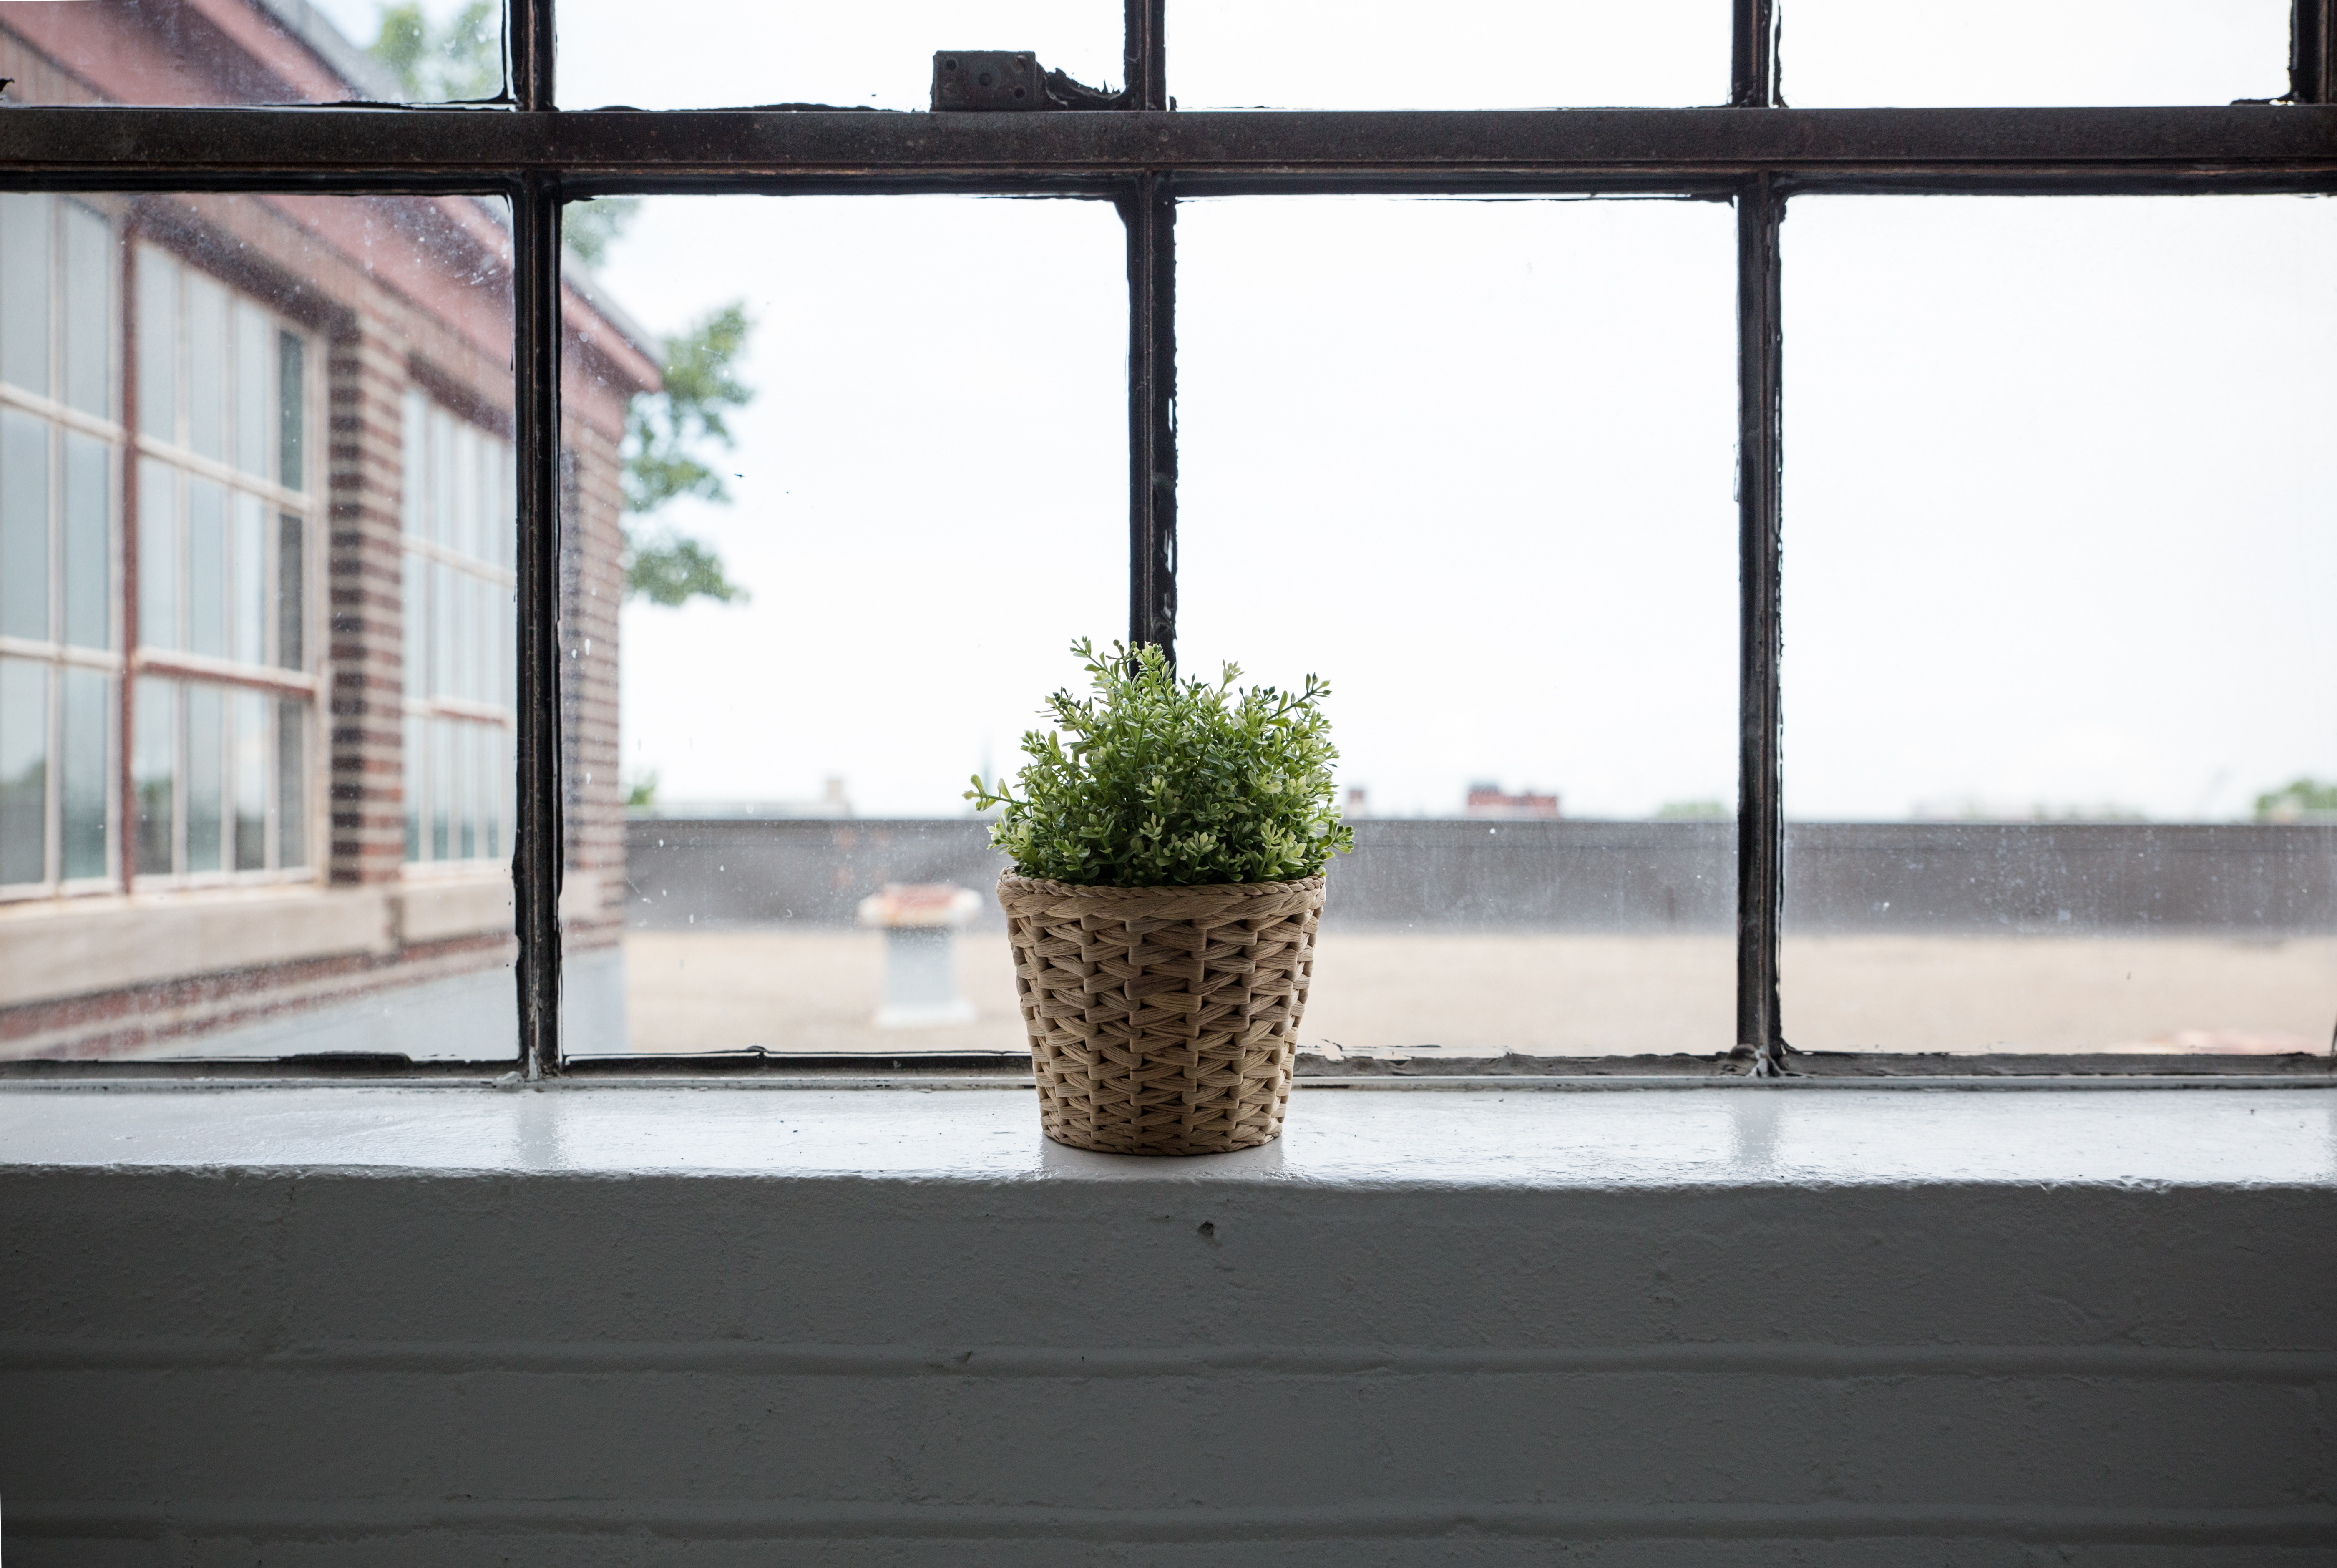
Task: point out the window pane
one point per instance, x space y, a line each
2057 755
185 52
291 784
442 790
25 241
206 568
90 271
89 542
1501 523
23 526
712 53
155 769
255 932
86 749
251 780
1465 55
248 617
930 544
24 770
291 593
257 367
291 413
206 781
159 350
1853 52
160 624
416 847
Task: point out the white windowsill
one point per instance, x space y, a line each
1706 1137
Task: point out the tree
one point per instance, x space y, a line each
461 60
667 430
664 436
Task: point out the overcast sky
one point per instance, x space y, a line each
2056 532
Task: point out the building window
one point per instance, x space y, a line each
225 699
461 713
61 442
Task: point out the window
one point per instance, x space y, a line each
365 549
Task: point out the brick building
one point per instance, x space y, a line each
257 552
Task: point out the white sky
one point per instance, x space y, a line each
2056 531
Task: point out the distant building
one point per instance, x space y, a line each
1488 800
256 566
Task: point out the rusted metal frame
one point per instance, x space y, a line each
132 148
1753 54
533 53
1149 211
539 839
1760 811
2312 51
1144 53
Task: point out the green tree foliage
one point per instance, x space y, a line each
462 61
2305 800
1163 783
665 437
587 229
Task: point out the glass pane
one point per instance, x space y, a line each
930 544
206 781
255 933
713 53
85 750
252 52
248 617
252 779
88 542
206 568
1464 55
206 366
257 367
159 623
27 239
23 526
291 413
154 767
1501 523
159 350
291 784
1850 54
23 771
2057 544
291 593
89 277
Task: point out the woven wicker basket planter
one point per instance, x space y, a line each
1162 1020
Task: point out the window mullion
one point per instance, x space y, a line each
1760 817
533 53
536 863
1149 211
2310 64
1753 63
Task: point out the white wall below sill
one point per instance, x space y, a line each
335 1325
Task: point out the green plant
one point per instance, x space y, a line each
2305 800
1153 782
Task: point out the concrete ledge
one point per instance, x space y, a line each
434 911
694 1326
83 946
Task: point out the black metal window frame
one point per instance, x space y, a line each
1753 151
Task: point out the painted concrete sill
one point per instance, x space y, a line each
1739 1135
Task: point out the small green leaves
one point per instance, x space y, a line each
1165 783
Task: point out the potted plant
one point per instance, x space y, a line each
1168 846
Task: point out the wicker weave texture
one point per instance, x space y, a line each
1162 1020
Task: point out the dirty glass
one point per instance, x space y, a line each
2060 746
223 52
1853 53
1473 462
200 824
735 54
917 500
1470 54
